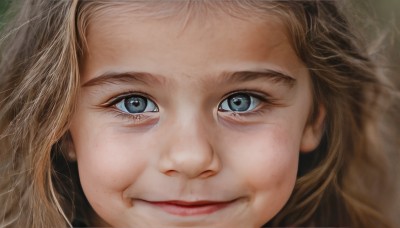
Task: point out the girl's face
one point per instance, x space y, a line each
195 123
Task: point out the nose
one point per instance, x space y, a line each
188 152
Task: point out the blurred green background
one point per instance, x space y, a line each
3 7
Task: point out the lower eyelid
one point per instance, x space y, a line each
244 119
262 109
135 119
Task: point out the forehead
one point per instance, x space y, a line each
197 36
95 15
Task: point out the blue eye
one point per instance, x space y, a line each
239 102
136 104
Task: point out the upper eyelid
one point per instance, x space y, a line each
117 98
260 95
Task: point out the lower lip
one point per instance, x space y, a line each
190 210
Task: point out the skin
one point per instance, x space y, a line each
188 149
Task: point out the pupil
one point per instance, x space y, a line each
239 102
135 104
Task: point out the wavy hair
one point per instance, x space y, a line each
344 182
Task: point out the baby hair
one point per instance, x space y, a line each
346 181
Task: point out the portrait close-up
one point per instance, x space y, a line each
199 113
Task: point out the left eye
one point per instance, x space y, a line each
239 102
136 104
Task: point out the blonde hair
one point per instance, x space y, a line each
39 69
340 184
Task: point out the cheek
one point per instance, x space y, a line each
276 152
269 152
108 161
266 162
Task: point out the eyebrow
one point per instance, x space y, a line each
267 74
125 77
226 77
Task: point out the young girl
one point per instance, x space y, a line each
190 114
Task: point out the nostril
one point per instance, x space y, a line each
207 173
171 173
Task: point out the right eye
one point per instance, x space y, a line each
134 104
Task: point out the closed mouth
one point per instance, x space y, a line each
185 208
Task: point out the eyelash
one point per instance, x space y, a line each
265 103
110 105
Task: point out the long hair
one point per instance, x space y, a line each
39 70
344 182
341 183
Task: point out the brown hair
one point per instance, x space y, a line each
344 182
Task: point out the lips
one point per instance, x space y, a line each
184 208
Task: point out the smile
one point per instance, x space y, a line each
184 208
